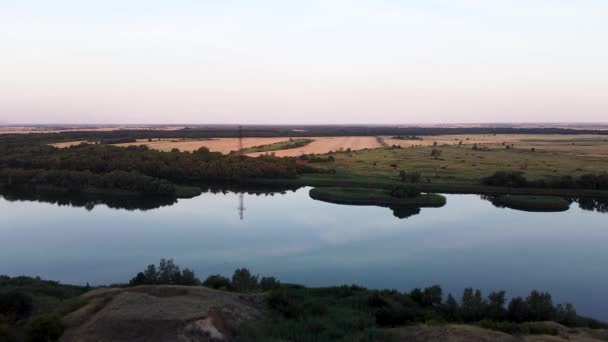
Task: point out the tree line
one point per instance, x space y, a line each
517 179
134 168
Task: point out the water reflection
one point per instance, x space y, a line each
468 242
599 205
89 203
596 204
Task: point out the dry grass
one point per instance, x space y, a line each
161 313
68 144
571 145
326 144
225 145
584 145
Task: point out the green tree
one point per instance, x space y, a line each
168 272
473 305
432 296
518 310
269 283
451 309
244 281
151 274
541 306
188 278
495 309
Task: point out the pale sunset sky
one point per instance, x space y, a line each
308 61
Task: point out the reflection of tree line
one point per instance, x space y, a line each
89 202
597 204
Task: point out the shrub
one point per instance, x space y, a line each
15 305
506 178
217 282
269 283
402 191
7 333
409 177
44 328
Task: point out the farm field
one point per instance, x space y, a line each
590 145
322 145
223 145
463 164
526 150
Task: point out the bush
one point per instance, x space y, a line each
280 301
409 177
269 283
44 328
513 179
15 305
402 191
217 282
7 333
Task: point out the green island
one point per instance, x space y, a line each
165 301
282 145
378 197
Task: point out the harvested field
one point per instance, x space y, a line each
68 144
223 145
326 144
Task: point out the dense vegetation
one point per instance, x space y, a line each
95 168
347 313
517 179
31 309
282 145
343 313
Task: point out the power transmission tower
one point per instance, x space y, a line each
241 206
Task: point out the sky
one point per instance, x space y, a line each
308 61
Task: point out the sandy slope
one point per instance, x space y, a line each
159 314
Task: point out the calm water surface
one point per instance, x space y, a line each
469 242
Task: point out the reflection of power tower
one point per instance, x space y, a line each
241 207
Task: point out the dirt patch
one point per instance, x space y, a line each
161 313
470 333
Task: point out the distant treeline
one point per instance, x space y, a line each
517 179
226 131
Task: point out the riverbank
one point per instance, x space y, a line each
245 309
